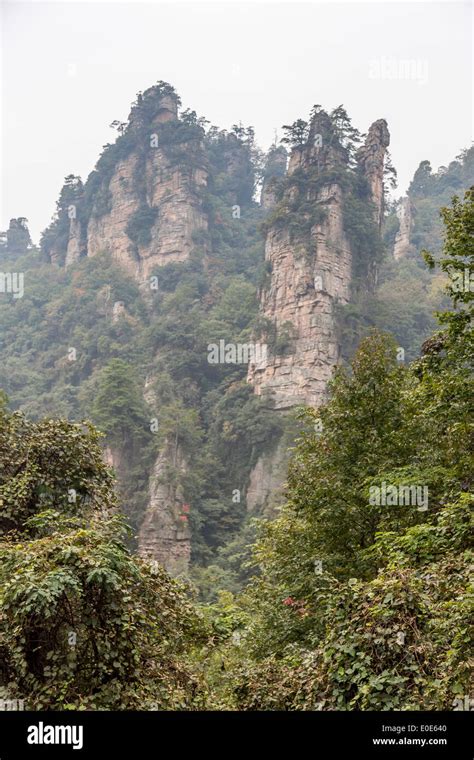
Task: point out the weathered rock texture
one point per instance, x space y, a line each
402 239
164 534
150 178
266 483
151 182
371 157
275 167
75 247
310 276
301 299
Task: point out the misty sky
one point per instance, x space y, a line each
70 69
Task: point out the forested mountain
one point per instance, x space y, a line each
230 320
90 340
407 294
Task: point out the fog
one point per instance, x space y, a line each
70 69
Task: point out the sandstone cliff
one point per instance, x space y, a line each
142 204
402 239
310 258
311 274
371 157
164 534
275 167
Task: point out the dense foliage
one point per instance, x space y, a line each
362 604
83 623
342 601
66 353
407 295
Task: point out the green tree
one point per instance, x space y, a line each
296 134
383 623
18 236
83 624
422 180
118 408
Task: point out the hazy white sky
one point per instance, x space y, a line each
70 68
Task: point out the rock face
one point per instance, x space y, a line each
172 194
107 233
310 276
118 311
150 182
146 210
266 484
301 298
17 238
275 167
164 535
75 247
402 239
371 158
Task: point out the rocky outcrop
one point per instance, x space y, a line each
306 275
114 457
164 534
402 240
107 232
267 480
17 238
76 247
118 311
151 186
145 205
371 158
275 167
311 272
301 299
